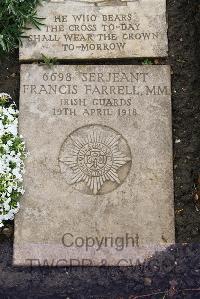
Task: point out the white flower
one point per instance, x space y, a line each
9 189
11 163
16 173
5 95
12 128
12 111
12 153
2 129
6 207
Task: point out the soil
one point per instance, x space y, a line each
174 273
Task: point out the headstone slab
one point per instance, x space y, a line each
98 180
98 30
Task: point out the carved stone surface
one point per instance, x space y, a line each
91 155
98 29
98 179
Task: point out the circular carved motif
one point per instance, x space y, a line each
95 159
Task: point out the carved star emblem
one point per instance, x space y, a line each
95 159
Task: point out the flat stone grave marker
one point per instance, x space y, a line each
99 29
99 187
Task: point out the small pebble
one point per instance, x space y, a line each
177 141
7 231
147 281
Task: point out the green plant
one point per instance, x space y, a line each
147 61
15 15
48 61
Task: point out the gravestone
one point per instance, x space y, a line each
98 29
99 187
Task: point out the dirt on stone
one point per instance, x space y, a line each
171 274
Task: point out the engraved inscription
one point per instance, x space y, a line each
96 159
98 29
87 94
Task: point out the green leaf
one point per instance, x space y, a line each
15 16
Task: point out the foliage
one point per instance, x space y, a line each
147 62
14 17
48 61
12 155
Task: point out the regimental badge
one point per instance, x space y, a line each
92 158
